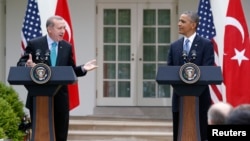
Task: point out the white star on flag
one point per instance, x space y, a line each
239 55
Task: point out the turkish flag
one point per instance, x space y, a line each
236 59
63 11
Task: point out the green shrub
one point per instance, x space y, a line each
11 96
11 113
2 134
9 121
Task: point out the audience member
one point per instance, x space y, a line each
240 115
218 113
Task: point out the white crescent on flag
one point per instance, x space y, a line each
234 22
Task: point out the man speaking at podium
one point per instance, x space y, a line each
52 50
198 50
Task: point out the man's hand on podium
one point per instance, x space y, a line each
30 62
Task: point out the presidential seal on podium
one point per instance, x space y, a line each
40 73
189 73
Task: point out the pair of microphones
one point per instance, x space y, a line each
189 59
41 58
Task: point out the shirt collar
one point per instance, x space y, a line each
50 41
191 38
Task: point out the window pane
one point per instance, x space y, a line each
149 89
109 16
124 53
124 17
149 17
162 53
109 71
124 34
109 89
149 53
164 17
109 53
163 90
163 35
149 71
149 35
123 89
109 35
124 71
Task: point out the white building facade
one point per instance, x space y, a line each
129 39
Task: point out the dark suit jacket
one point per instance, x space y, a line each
64 58
205 57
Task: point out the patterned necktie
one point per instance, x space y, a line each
186 46
53 54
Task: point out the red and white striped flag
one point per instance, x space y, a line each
34 26
31 24
206 29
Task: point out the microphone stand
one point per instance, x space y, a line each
38 54
193 54
184 55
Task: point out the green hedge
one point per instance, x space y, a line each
11 113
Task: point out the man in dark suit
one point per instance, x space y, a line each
64 57
188 23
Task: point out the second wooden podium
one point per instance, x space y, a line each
189 128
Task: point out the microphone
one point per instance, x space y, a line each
193 54
47 54
38 53
184 55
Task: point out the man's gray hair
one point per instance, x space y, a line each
50 21
193 16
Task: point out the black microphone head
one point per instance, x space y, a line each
47 53
193 52
184 53
38 52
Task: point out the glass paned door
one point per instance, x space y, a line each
115 49
116 52
157 28
133 40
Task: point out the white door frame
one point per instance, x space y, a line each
136 98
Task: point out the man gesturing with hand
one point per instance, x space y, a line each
63 57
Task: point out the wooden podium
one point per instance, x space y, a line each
189 128
43 94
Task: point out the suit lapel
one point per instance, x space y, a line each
59 53
195 43
44 47
180 46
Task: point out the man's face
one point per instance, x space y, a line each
186 26
57 31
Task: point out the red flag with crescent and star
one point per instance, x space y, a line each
63 11
236 56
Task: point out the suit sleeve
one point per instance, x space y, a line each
170 56
23 59
208 56
77 69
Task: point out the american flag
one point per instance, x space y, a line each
31 24
206 29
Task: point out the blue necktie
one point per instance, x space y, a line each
53 54
186 46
